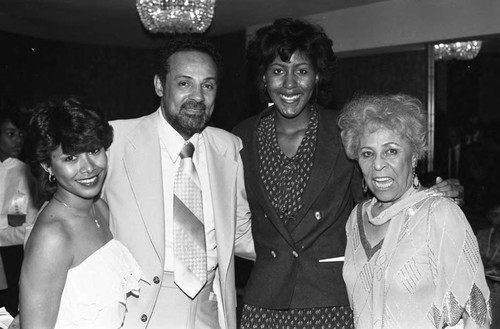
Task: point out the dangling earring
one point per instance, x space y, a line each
363 186
315 94
265 85
416 182
52 178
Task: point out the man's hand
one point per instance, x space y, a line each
449 188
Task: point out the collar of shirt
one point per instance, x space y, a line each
9 163
173 141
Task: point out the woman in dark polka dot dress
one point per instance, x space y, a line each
300 185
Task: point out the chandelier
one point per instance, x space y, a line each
461 50
176 16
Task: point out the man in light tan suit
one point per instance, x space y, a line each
143 162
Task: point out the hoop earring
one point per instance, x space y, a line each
415 181
363 186
52 178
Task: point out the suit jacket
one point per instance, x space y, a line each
134 192
287 272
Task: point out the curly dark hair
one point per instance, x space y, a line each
75 126
10 111
183 42
284 37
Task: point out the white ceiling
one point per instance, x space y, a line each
116 22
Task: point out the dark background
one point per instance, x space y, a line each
119 80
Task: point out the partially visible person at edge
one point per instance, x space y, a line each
146 205
301 187
74 274
17 202
412 260
489 243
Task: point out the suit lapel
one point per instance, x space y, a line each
142 161
325 158
250 159
221 173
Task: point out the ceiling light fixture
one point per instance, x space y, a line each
176 16
461 50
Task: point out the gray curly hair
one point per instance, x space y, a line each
400 113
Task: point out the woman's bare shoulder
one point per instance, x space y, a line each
50 230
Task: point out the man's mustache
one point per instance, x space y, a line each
193 105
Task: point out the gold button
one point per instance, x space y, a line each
295 254
273 253
156 280
144 318
317 214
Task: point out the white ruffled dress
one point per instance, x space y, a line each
96 290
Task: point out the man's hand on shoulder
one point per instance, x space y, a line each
450 188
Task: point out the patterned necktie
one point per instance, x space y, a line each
190 272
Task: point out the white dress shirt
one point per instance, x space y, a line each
15 199
171 143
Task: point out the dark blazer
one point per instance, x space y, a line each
287 272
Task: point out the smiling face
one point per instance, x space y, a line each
11 141
291 84
387 162
80 175
188 96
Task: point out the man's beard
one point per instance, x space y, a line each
189 124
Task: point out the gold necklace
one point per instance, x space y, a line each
67 206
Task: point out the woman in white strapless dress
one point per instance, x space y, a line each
74 274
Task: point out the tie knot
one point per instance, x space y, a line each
187 151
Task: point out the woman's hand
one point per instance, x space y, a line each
449 188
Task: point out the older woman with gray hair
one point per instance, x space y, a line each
411 260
